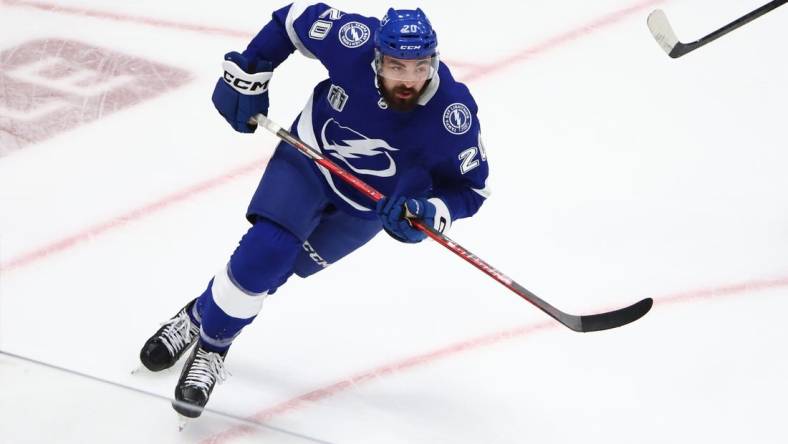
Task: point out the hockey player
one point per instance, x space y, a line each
390 112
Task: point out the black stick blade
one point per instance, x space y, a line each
663 33
617 318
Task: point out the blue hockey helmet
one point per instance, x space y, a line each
406 34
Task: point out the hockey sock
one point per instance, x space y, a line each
263 261
194 309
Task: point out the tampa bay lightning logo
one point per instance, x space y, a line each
361 154
353 34
457 118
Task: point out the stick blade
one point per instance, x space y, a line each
663 33
617 318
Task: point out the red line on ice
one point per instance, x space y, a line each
30 257
368 376
131 216
158 23
406 364
561 39
424 359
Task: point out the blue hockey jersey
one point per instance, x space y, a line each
347 119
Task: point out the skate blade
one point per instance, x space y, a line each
183 421
141 370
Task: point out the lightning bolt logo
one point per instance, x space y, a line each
360 148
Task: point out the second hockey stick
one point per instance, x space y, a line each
584 323
660 28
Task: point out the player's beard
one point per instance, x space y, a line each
400 103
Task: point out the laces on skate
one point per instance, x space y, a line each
177 334
207 369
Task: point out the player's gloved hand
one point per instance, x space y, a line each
242 92
394 212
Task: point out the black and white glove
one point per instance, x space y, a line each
242 92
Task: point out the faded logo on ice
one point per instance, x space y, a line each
49 86
359 153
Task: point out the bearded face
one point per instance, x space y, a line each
403 81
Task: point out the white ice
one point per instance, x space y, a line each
617 174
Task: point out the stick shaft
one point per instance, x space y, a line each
577 323
741 21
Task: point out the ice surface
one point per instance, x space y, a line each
617 174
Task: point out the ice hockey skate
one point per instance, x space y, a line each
162 350
202 370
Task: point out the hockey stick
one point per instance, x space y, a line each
587 323
662 31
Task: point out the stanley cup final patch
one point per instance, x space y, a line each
337 97
457 118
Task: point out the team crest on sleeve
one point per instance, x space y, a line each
353 34
457 118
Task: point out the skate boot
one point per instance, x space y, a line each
200 373
168 344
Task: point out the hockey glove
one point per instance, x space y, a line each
395 212
242 92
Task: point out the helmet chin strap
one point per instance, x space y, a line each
375 71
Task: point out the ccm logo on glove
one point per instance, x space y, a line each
243 82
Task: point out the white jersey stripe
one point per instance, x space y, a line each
307 133
296 9
484 192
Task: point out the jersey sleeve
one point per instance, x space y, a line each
311 29
460 181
